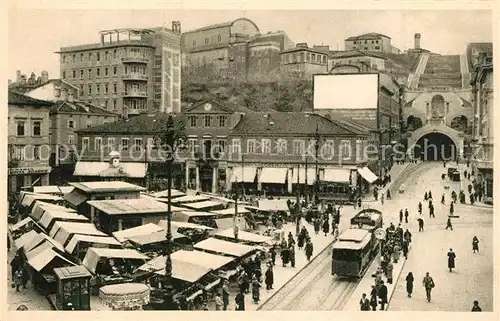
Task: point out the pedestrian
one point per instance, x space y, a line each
359 202
18 278
409 284
405 248
406 215
471 198
300 240
218 302
364 303
309 250
469 188
431 211
475 244
388 273
452 209
317 225
420 224
285 256
407 236
442 199
389 194
420 208
255 290
240 301
292 256
326 227
382 294
451 260
429 195
400 216
272 251
15 264
291 241
425 196
476 307
373 298
269 277
225 294
26 276
429 284
382 198
448 224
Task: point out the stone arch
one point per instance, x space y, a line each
413 123
438 109
455 136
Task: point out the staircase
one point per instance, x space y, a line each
464 69
414 78
442 71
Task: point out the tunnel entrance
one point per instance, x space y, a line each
435 147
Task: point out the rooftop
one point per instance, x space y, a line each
129 206
23 88
290 123
152 123
295 49
116 186
79 107
220 25
355 53
366 36
18 99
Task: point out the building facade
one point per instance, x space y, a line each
303 62
28 141
483 128
371 42
370 59
138 73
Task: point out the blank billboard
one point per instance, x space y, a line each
353 91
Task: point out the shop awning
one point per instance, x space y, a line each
95 254
202 205
224 223
184 216
249 173
75 198
48 189
273 205
191 199
49 216
61 231
338 175
367 174
42 256
164 194
156 237
41 207
219 246
129 206
21 223
273 175
244 236
77 238
230 211
178 225
25 239
180 270
311 176
30 198
149 228
41 239
204 259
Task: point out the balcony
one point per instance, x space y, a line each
135 76
135 93
134 59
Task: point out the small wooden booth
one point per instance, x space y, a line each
73 288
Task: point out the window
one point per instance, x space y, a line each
359 149
208 121
115 70
74 58
20 128
105 72
125 144
64 59
192 121
106 88
282 146
64 74
206 41
194 43
324 59
114 54
298 147
377 47
89 123
71 124
137 144
219 38
327 150
74 74
345 148
111 143
251 146
89 89
98 143
266 146
36 152
114 104
37 128
90 56
151 144
236 146
98 89
98 72
192 144
222 121
114 89
81 57
311 57
85 143
98 56
106 55
81 74
19 152
90 72
222 145
71 139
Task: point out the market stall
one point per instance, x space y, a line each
245 237
195 232
48 189
196 217
123 235
79 244
119 262
73 289
41 239
183 200
25 238
216 246
28 200
24 226
205 206
155 242
49 218
212 261
164 194
40 207
62 231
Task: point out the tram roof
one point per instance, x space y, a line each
350 245
354 235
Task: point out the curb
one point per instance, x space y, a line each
394 287
293 277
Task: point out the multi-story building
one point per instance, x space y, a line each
28 141
303 62
483 128
371 42
137 73
370 59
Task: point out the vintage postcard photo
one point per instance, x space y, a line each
249 160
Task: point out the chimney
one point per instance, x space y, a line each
417 40
45 76
70 96
18 75
176 26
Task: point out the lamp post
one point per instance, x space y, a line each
316 150
297 204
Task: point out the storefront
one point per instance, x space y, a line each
486 184
28 176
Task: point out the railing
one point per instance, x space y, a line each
135 59
135 76
135 93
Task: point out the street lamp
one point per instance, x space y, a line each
316 150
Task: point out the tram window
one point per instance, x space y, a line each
344 255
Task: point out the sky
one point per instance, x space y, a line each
35 35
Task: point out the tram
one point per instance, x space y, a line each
355 249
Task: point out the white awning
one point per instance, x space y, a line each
244 236
339 175
48 189
25 239
49 216
42 238
205 259
202 205
149 228
95 254
273 205
29 199
219 246
177 225
40 260
77 238
273 175
249 173
181 270
20 224
41 207
191 199
230 211
311 176
164 194
367 174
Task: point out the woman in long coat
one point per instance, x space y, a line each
309 250
451 259
269 278
317 225
285 256
255 290
300 240
409 284
475 244
326 227
388 273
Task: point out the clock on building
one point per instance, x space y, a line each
208 106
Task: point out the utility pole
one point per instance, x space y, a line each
306 189
316 149
297 204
